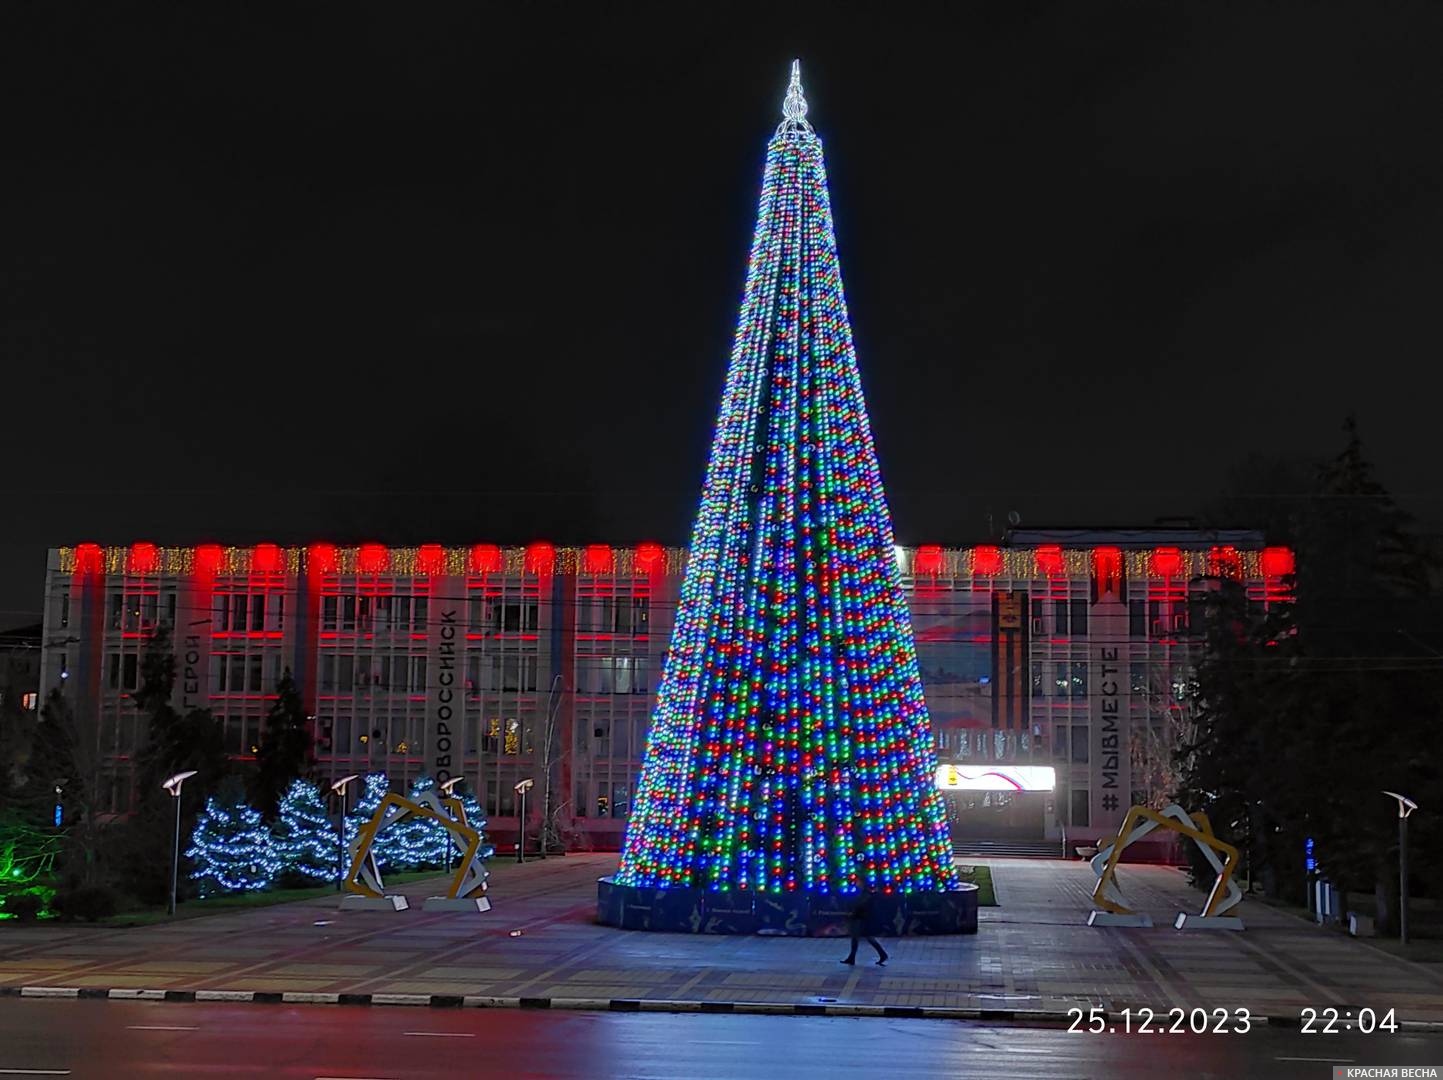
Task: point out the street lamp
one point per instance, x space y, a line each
553 699
448 790
339 789
1405 807
521 790
173 785
59 811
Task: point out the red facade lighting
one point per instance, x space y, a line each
1107 563
987 560
321 558
540 557
650 558
1049 559
266 559
597 559
142 558
431 560
209 558
1277 562
484 559
89 559
1166 562
928 560
1223 561
373 559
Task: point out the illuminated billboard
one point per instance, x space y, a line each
996 777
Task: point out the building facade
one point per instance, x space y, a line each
1053 664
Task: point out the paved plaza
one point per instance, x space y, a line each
1033 952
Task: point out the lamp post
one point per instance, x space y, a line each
1405 807
448 792
339 788
173 785
553 699
521 790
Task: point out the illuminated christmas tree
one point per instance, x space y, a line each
373 790
413 843
304 835
791 749
231 846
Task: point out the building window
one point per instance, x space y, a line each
1059 618
1063 681
64 610
130 674
1136 619
1038 680
1059 742
254 683
1079 744
1079 618
113 671
117 606
1079 678
1138 672
1080 814
30 701
328 673
328 612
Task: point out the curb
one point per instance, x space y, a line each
1033 1017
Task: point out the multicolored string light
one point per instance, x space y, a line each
791 748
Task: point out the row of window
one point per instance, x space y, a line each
134 613
241 612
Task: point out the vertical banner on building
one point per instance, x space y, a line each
445 678
1011 692
1109 757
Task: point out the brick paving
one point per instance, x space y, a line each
1033 952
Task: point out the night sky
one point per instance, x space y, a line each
419 273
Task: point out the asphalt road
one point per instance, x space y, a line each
144 1039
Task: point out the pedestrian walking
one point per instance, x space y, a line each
857 927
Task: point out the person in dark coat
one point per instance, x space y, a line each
857 927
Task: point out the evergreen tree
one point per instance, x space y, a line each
304 835
373 790
413 842
231 847
285 747
791 747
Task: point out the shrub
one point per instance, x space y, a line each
89 902
25 906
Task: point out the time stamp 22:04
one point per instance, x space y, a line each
1178 1021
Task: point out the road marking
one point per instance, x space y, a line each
1331 1061
159 1027
443 1034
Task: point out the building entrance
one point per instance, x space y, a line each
996 815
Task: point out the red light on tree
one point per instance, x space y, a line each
485 559
540 557
373 559
143 558
321 558
208 560
1223 561
650 557
265 559
1166 562
89 559
598 559
987 560
431 559
1277 562
1049 559
928 560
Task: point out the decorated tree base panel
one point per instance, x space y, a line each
800 914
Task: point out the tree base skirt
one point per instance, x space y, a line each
736 911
